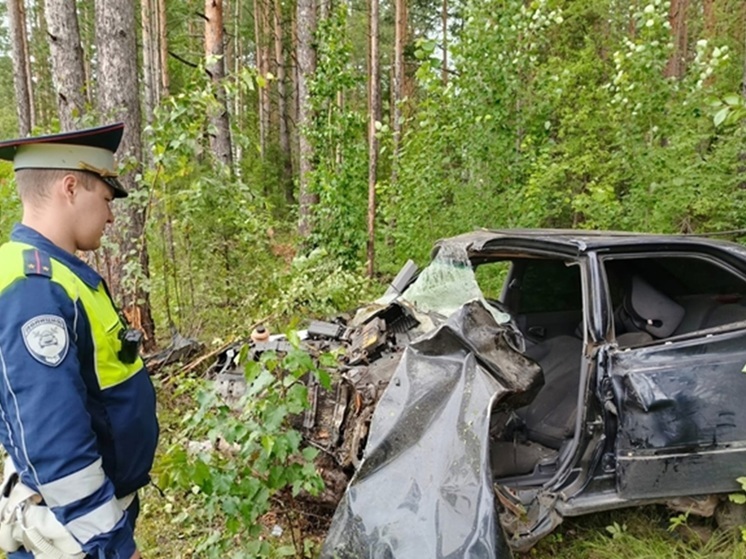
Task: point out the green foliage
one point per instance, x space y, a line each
337 133
8 116
561 113
315 286
740 499
208 228
252 456
10 205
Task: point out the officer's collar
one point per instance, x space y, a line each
24 234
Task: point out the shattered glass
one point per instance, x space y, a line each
448 283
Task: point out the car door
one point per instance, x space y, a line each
680 402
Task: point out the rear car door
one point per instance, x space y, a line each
681 400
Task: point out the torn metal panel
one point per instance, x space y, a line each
424 488
682 418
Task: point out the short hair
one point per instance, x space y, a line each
33 184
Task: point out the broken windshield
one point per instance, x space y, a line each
448 283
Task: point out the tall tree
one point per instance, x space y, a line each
118 100
400 38
306 60
260 33
282 111
374 117
66 51
44 105
444 28
163 48
220 135
21 67
679 34
150 58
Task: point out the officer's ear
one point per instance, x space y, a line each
69 185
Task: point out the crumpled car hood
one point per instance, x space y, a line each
424 488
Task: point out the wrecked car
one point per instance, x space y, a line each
525 376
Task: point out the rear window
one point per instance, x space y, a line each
550 286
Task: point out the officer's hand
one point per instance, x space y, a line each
136 555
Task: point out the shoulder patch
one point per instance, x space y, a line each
36 263
46 339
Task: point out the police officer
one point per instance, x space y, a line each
77 407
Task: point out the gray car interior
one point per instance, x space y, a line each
643 314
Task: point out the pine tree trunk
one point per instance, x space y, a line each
148 60
163 48
67 61
676 65
86 25
306 28
282 111
220 140
21 66
374 107
400 39
118 100
40 70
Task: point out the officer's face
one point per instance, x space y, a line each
93 212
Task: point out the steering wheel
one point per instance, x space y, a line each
515 338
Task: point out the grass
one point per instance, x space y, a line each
638 533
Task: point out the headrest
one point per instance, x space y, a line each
652 311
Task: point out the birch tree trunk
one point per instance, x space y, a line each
220 140
306 28
66 52
444 26
21 66
374 108
260 71
118 100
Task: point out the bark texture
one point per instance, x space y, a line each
282 110
66 52
118 100
220 134
21 66
676 65
374 106
306 28
397 89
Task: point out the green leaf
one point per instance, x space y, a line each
325 379
720 116
732 100
738 498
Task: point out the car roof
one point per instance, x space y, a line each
578 241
